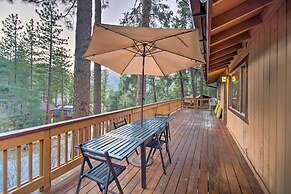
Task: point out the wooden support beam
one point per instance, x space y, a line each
208 31
219 63
219 67
231 55
226 51
240 11
235 30
230 42
216 2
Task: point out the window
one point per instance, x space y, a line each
238 89
218 90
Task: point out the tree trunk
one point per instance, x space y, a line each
201 81
154 88
146 10
82 66
193 84
181 84
56 97
49 70
31 65
167 88
97 67
15 53
62 110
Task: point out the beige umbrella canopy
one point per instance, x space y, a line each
144 51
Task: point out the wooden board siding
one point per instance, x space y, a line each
288 102
205 158
265 140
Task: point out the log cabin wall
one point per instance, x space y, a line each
265 139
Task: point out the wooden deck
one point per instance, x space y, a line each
205 159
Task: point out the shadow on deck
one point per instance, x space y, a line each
205 159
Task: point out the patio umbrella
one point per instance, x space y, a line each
143 50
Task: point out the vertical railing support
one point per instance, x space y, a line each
46 167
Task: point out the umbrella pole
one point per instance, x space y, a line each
142 81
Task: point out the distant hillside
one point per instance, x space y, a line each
113 80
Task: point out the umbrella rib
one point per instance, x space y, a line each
139 41
128 63
132 51
157 63
179 54
182 41
125 48
174 35
115 32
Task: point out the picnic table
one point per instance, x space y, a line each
122 141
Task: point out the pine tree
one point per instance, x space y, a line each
82 66
49 36
104 88
12 27
30 38
97 67
20 107
61 75
183 19
147 13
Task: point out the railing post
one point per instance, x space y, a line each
181 101
130 116
46 152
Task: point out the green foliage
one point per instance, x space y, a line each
183 18
160 14
104 87
52 53
24 59
127 91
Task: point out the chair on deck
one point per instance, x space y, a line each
104 173
158 141
120 124
168 132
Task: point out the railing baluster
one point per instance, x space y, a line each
98 129
59 151
40 162
89 132
103 128
66 147
30 152
4 169
73 144
107 126
79 140
18 166
84 132
95 132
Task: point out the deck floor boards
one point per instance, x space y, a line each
205 159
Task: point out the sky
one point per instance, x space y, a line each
110 15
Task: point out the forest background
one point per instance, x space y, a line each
38 71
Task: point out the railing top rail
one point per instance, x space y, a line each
45 127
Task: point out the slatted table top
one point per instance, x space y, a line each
122 141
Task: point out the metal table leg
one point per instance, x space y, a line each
143 165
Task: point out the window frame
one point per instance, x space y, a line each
243 67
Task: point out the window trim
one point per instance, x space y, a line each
243 116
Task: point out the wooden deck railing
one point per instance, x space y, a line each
201 103
31 158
